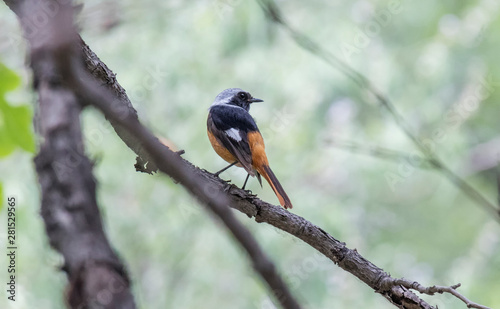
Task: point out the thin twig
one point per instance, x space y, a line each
413 285
380 152
497 171
274 14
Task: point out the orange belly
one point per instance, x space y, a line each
221 150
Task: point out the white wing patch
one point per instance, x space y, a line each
234 134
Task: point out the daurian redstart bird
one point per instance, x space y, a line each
236 138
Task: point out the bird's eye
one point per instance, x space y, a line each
242 95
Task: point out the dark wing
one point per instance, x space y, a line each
230 125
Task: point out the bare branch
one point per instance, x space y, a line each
497 172
121 102
433 290
213 191
274 14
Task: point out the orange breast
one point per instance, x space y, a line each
220 150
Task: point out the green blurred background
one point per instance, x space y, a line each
437 61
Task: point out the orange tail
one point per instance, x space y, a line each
268 174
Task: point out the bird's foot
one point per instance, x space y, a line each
249 192
228 187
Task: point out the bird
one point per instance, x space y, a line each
235 137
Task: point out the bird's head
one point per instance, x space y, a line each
235 97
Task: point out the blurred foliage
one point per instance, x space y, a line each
15 121
436 61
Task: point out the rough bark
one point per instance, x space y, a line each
69 208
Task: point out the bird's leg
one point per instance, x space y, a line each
243 188
225 168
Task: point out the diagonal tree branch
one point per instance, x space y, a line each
212 190
274 14
183 171
173 165
121 104
178 168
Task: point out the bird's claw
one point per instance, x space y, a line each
229 186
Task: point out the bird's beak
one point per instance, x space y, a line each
255 100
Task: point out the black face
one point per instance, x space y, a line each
243 99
